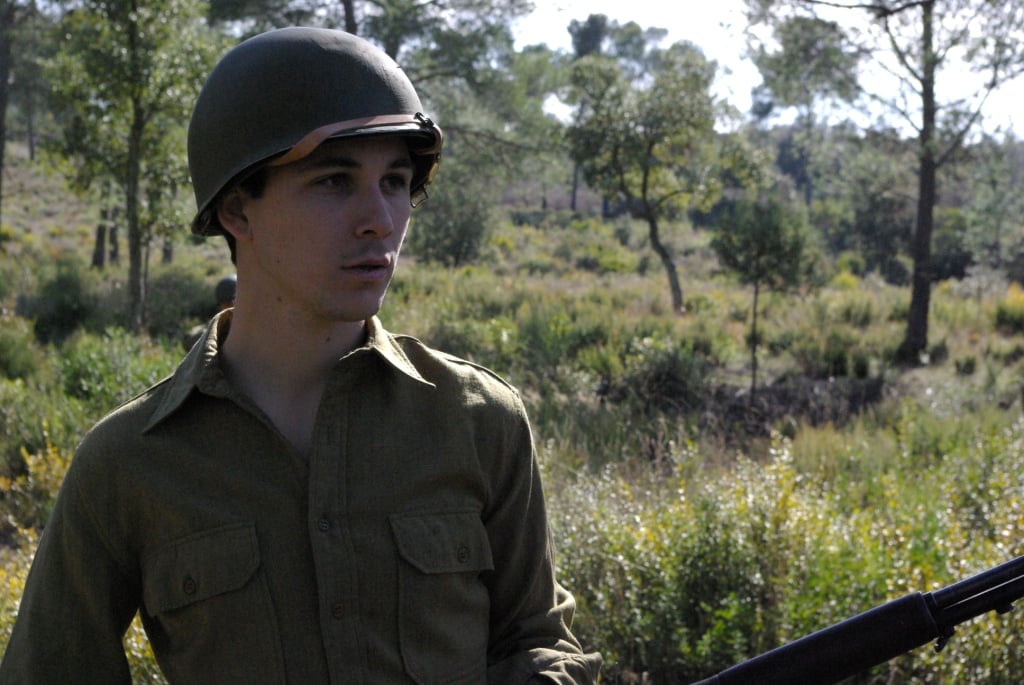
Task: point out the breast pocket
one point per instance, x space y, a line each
443 604
210 618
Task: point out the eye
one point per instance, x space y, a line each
397 182
337 181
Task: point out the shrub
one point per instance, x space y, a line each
662 374
20 356
177 299
1010 310
857 311
104 370
65 301
861 365
451 228
28 498
845 280
824 357
31 417
850 263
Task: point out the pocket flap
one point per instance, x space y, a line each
200 566
449 542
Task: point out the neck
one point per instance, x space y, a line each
282 366
295 346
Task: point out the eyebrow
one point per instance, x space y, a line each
314 162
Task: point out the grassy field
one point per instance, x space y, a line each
698 522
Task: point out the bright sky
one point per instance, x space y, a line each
717 27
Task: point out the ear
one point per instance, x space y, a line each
231 214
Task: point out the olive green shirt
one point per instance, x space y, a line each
411 547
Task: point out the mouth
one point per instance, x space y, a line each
371 266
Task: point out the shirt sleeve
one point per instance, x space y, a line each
531 614
76 606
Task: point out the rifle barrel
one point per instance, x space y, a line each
882 633
841 650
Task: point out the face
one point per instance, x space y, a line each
323 239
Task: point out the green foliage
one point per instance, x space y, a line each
662 374
648 139
66 301
1010 310
767 243
450 228
179 296
851 263
824 356
104 370
815 59
29 417
28 499
684 577
20 356
124 80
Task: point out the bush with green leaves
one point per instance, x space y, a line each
65 301
104 370
33 415
179 297
20 355
682 577
1010 310
450 228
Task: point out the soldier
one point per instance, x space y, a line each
309 498
224 296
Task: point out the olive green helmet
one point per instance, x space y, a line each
275 97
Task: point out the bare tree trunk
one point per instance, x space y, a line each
350 17
136 282
113 239
753 343
915 341
670 266
99 252
132 183
8 16
575 186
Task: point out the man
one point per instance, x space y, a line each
308 499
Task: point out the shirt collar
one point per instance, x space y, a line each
201 370
385 344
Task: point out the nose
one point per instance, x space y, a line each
375 215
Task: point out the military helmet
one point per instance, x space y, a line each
274 98
224 291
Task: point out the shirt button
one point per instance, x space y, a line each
323 525
188 586
337 611
462 554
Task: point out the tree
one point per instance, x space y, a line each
124 80
628 44
814 61
450 227
451 35
652 143
996 201
13 13
26 107
917 43
877 182
766 242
